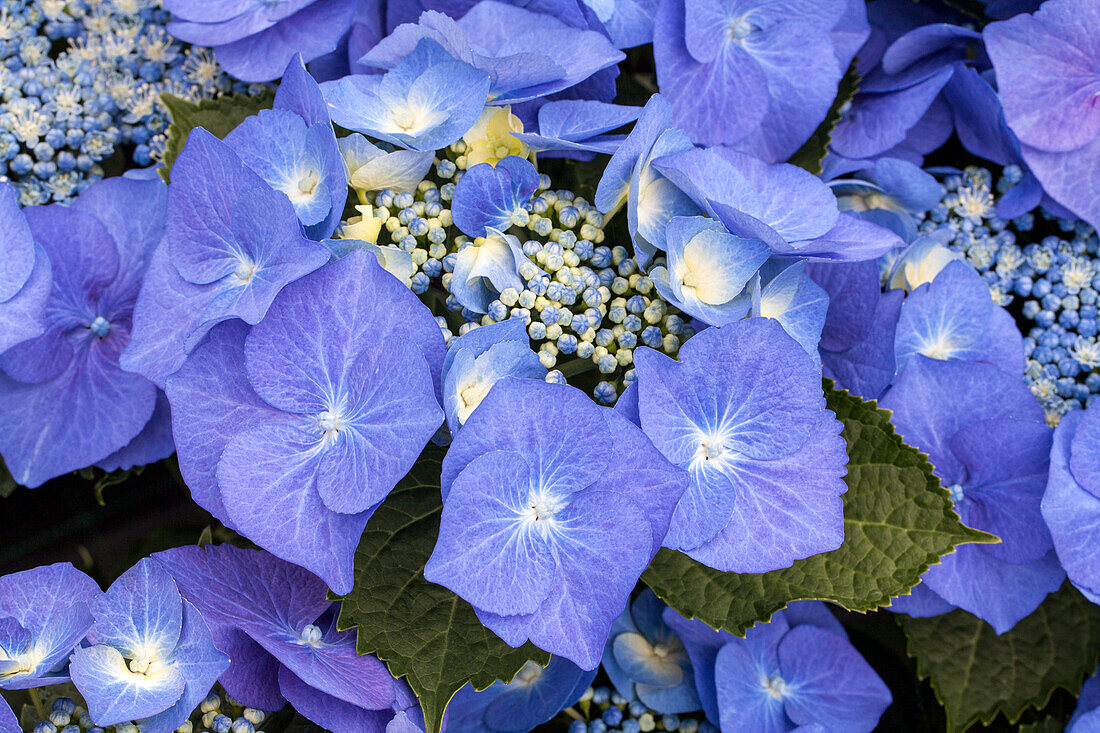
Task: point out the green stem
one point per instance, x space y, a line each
574 715
39 708
574 367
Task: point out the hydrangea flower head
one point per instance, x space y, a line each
24 275
294 432
509 44
274 621
799 669
44 614
708 269
425 102
786 207
758 75
151 657
645 659
544 540
478 359
254 39
231 243
1048 75
534 696
989 444
953 318
293 148
743 413
494 196
1071 503
65 403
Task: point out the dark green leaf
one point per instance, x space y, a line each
977 674
422 631
219 116
897 521
7 483
812 152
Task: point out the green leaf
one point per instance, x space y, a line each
977 674
812 152
422 631
897 521
219 116
7 483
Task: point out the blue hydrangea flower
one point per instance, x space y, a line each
255 39
708 269
508 43
24 275
534 696
369 168
954 318
425 102
647 661
65 403
231 243
294 149
44 615
797 302
295 431
494 196
578 128
857 340
743 412
652 200
786 207
1046 66
758 75
799 669
478 359
1071 504
485 267
277 626
151 657
989 444
553 507
1086 717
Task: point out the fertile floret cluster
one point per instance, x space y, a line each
587 304
1041 266
82 79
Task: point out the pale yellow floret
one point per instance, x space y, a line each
490 139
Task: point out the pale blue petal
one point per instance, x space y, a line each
141 613
488 196
744 702
267 475
998 592
17 258
799 305
489 551
830 682
200 664
115 694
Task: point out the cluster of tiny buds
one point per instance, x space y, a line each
1052 282
82 78
218 713
587 305
610 712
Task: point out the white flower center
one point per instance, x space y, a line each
775 686
310 635
100 326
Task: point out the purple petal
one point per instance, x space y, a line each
328 711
